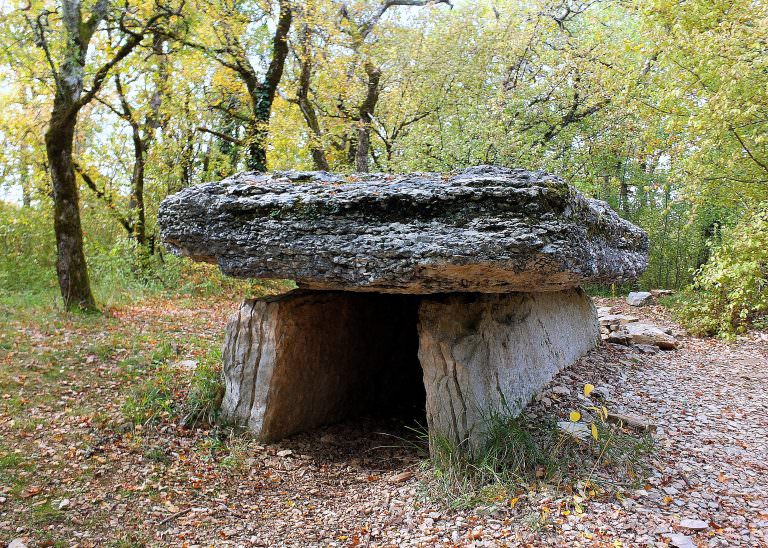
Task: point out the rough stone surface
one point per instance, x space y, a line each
643 333
304 359
484 354
639 298
484 229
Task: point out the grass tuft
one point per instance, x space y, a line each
521 455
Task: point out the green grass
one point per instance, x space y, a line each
521 454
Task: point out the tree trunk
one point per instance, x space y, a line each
26 187
263 93
319 158
366 117
136 203
70 258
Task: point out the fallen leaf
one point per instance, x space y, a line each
402 476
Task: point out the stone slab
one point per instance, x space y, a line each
490 354
483 229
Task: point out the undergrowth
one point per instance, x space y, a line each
523 455
121 272
730 292
170 393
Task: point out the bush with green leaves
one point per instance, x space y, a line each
730 292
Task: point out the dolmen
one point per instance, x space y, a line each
456 292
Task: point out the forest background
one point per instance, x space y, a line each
658 107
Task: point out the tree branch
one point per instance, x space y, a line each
749 152
220 135
101 195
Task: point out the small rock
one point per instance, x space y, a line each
63 504
560 390
577 430
679 541
619 337
604 311
618 319
17 543
632 420
694 524
639 298
661 292
285 453
602 392
190 365
402 476
647 349
643 333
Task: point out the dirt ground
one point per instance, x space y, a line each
75 472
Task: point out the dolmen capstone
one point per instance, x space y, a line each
460 292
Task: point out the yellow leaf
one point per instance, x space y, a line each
575 416
594 430
588 388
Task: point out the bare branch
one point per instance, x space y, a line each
220 135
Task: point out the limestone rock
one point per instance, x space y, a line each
632 420
679 540
304 359
694 524
639 298
577 430
643 333
489 354
483 229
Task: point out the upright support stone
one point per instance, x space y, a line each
303 359
484 354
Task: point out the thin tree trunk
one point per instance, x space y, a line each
70 258
366 118
137 187
26 188
310 117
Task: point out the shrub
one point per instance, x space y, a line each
730 292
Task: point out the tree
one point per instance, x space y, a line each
65 36
357 22
223 36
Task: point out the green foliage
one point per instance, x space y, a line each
205 393
27 263
168 393
730 292
121 271
153 400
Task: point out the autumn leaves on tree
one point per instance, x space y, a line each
658 109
